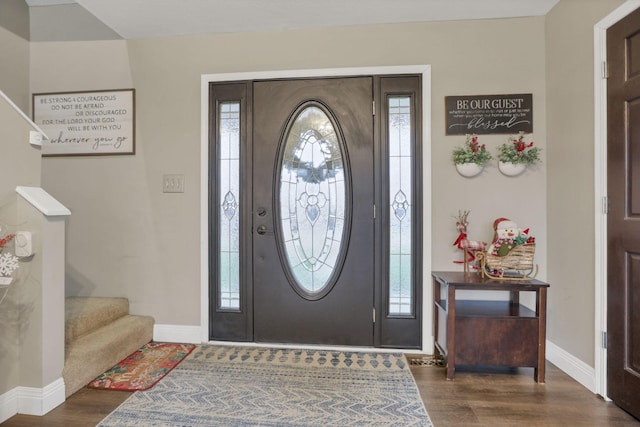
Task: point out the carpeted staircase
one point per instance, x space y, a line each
99 332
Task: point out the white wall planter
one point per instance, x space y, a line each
511 169
468 170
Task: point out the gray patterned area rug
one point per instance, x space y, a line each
249 386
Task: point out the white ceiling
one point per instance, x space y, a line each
135 19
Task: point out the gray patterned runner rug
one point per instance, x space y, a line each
249 386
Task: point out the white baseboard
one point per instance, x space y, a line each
8 405
31 401
39 401
177 333
572 366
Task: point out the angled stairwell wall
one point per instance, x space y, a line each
41 303
32 311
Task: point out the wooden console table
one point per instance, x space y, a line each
489 333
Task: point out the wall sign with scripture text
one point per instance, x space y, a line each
86 123
489 114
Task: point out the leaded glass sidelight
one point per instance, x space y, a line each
400 207
312 199
229 206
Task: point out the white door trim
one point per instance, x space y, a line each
600 184
424 70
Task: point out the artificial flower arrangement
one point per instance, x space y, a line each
472 152
515 155
471 158
518 151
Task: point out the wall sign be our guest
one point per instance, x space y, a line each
86 123
489 114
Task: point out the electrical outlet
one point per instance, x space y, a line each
173 183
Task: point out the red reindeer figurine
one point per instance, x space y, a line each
468 247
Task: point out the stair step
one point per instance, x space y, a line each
93 353
86 314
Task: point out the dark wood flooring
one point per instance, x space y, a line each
85 408
510 397
474 398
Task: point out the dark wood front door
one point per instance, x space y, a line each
313 196
623 226
315 211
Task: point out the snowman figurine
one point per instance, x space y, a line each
507 236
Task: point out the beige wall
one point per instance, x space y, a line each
19 165
14 68
41 296
127 238
14 16
570 161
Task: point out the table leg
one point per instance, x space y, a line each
451 332
541 310
514 297
436 299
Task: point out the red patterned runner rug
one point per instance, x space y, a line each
144 368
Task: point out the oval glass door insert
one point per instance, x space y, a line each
312 205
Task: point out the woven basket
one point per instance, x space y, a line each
518 261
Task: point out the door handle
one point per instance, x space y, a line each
262 229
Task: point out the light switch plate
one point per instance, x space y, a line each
173 183
35 138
